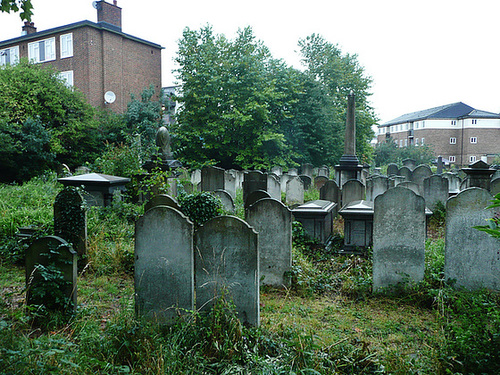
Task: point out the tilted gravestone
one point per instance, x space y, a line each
161 200
227 265
226 199
70 219
376 186
398 238
330 192
212 178
273 221
51 258
294 191
410 163
278 171
352 190
435 190
419 175
472 257
164 265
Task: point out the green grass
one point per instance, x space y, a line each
327 322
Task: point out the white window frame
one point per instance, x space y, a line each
406 142
400 143
452 158
422 141
49 52
472 159
473 140
416 141
9 56
66 43
68 78
474 122
453 141
453 122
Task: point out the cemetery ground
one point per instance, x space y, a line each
328 321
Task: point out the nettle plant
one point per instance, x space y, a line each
493 227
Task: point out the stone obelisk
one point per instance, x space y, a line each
349 167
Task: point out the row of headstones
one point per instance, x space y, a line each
472 258
178 268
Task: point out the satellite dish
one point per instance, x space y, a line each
95 4
109 97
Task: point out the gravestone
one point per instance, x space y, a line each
230 183
496 174
227 265
306 180
70 219
392 169
410 163
278 171
398 238
196 177
283 181
319 181
376 186
256 196
439 164
435 190
453 183
478 175
164 265
293 172
273 221
405 172
495 186
226 199
51 251
352 190
419 175
395 180
274 186
294 191
307 169
212 178
253 180
472 257
330 192
410 185
161 200
324 171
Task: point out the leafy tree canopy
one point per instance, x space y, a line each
16 5
388 152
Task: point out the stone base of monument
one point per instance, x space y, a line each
317 218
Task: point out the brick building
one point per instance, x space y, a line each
457 132
104 63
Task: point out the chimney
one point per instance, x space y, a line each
109 13
29 28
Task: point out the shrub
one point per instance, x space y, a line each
200 207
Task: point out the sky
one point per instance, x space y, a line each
419 54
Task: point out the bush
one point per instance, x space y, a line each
200 207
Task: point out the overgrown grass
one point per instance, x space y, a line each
328 321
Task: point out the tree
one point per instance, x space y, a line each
39 112
339 74
388 152
231 106
16 5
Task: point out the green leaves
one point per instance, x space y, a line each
16 5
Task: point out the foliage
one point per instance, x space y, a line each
16 5
70 220
200 207
121 159
388 152
493 227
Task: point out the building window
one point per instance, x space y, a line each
453 122
416 141
42 50
9 56
453 141
406 142
473 139
472 159
474 122
422 141
66 45
423 124
452 159
400 143
67 77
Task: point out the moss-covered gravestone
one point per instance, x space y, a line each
70 219
51 270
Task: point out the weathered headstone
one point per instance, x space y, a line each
256 196
330 192
319 181
196 177
161 200
294 191
439 163
392 169
274 186
227 265
453 183
212 178
419 175
293 172
70 219
435 190
253 180
410 163
277 170
352 190
405 172
230 183
398 238
164 265
226 199
478 175
306 180
307 169
185 186
283 181
51 254
496 174
395 180
410 185
376 186
472 257
323 171
495 186
273 221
